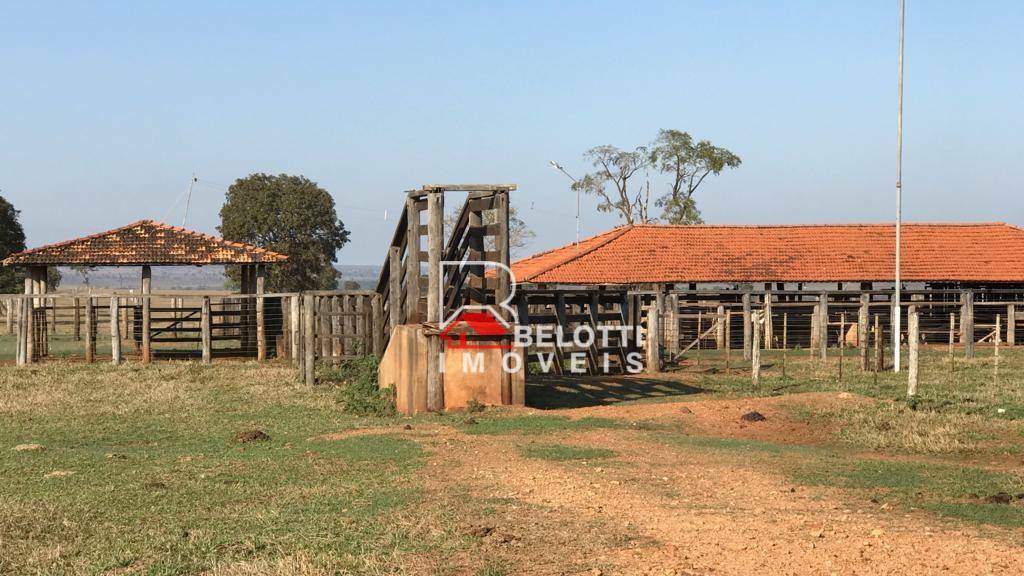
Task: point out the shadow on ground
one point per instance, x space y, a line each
548 392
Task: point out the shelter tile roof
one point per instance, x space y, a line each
144 242
640 254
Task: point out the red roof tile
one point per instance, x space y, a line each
975 252
144 242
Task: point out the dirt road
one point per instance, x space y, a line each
658 508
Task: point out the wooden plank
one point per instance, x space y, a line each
377 325
1011 324
395 289
309 342
295 319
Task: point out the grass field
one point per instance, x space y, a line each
159 470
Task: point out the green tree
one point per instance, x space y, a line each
687 165
291 215
617 168
12 239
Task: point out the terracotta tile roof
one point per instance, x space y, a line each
974 252
145 242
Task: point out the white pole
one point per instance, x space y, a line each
558 167
899 202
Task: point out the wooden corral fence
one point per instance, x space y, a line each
816 320
187 324
615 318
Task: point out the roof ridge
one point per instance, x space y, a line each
611 235
821 225
240 248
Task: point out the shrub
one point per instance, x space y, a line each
359 392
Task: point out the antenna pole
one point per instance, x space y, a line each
896 317
188 198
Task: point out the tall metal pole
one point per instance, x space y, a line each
188 198
899 201
558 167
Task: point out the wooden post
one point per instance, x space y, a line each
785 340
952 343
323 310
862 329
295 319
720 330
995 349
261 320
842 342
337 305
672 325
1011 324
30 329
879 346
653 344
769 331
726 334
435 245
363 346
309 339
19 319
146 290
9 315
115 331
823 324
395 288
76 319
90 332
755 351
700 331
413 245
913 338
815 342
204 328
746 326
376 329
967 322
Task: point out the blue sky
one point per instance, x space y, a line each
107 107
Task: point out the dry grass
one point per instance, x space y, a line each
894 427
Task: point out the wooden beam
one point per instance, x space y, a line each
395 316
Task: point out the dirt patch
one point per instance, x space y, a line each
724 417
659 509
754 416
248 436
